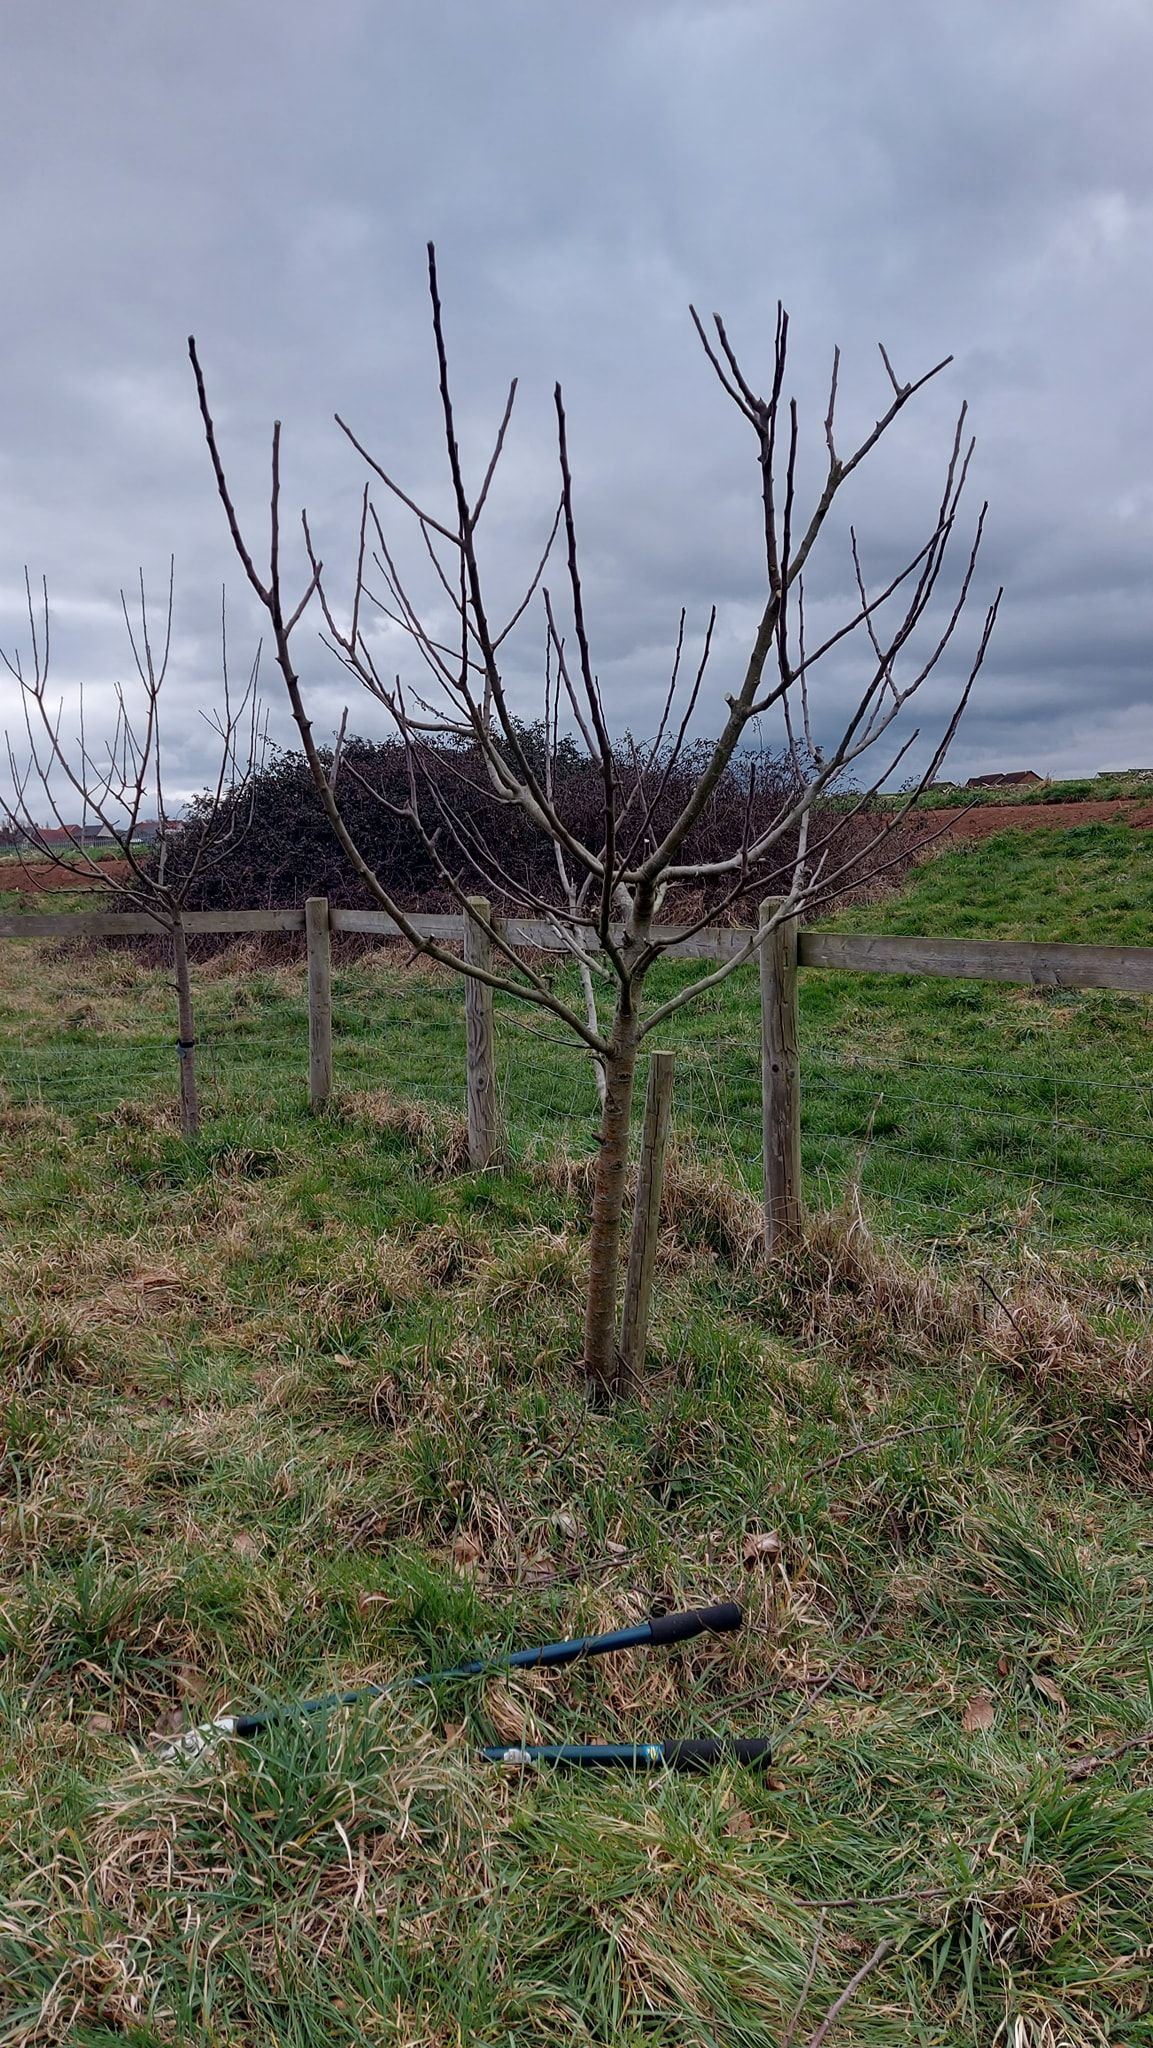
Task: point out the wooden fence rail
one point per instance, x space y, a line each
1039 965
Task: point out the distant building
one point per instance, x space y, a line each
1019 778
57 838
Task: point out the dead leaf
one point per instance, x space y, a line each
465 1552
189 1682
365 1602
760 1547
979 1715
245 1545
1003 1666
539 1570
98 1724
616 1549
453 1733
740 1824
1050 1690
565 1523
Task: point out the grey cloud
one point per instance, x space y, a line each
266 173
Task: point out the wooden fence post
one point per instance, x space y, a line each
485 1136
780 1080
318 931
646 1219
186 1039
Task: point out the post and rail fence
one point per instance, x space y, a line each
786 950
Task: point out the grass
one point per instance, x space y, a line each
983 1110
27 857
295 1404
1132 784
971 1115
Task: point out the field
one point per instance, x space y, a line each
296 1404
1134 786
24 876
963 814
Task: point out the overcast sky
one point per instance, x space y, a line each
266 173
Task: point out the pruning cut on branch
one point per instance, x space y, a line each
115 786
641 853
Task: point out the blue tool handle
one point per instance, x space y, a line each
701 1754
662 1628
677 1628
553 1654
697 1754
249 1724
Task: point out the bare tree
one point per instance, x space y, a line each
615 881
117 785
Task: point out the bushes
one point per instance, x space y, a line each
291 853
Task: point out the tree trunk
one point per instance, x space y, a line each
601 1357
186 1040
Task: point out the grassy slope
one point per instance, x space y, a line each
296 1403
971 1112
1093 789
984 1105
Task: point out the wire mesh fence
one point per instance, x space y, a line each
946 1146
941 1150
958 1150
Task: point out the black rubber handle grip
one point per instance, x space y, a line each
677 1628
701 1754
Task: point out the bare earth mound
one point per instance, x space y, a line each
38 878
982 823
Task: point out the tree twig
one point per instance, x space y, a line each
790 2033
854 1984
877 1443
1001 1304
1084 1766
858 1901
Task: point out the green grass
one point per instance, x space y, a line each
1092 885
1106 788
982 1110
64 856
296 1404
969 1113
